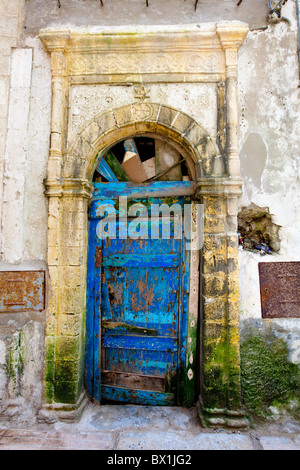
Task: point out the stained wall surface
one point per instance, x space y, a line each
41 13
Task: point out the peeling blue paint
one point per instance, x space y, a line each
139 283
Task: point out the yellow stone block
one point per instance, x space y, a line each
72 276
53 255
233 309
50 325
106 121
73 256
214 284
123 115
72 300
52 302
69 325
92 132
166 115
214 242
74 204
233 285
74 220
53 237
214 205
214 260
214 224
53 275
182 123
215 308
206 149
74 238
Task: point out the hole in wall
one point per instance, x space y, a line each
257 231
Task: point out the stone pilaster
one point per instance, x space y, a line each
231 42
65 330
220 398
57 49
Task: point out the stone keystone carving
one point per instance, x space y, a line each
141 93
142 111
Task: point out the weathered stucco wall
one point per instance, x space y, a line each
268 83
23 126
42 13
86 101
269 152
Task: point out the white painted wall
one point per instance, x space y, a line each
87 101
24 215
270 153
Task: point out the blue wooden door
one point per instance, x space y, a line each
137 313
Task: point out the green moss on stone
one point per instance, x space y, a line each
67 392
214 390
268 377
15 362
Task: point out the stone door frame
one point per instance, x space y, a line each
205 54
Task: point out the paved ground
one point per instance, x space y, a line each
145 428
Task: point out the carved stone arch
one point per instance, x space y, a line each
138 119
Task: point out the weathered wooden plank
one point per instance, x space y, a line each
141 246
152 220
162 328
155 189
139 361
142 397
116 168
135 261
150 167
168 162
133 381
145 200
134 168
104 170
153 343
112 293
90 303
121 327
131 207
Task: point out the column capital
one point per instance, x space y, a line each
219 187
231 38
232 35
55 42
72 187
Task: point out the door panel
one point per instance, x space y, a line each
138 317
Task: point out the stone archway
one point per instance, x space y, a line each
124 122
217 186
